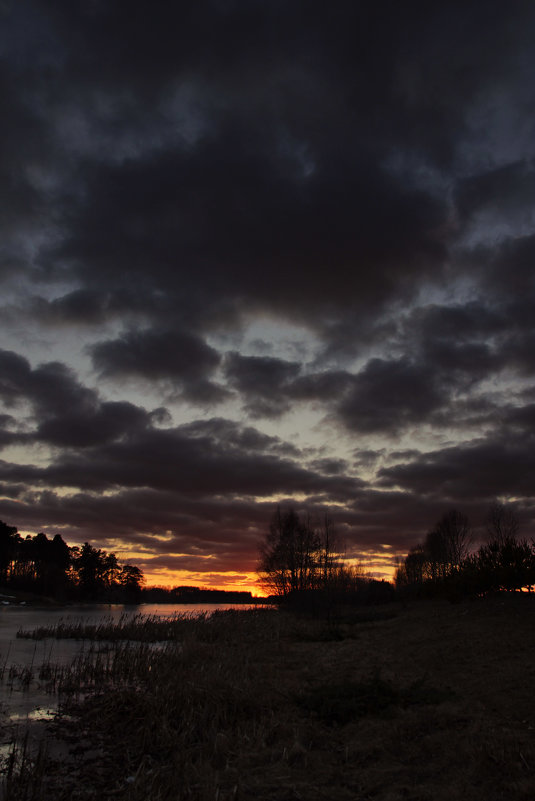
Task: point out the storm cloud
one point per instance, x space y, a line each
264 253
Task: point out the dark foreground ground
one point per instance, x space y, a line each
429 702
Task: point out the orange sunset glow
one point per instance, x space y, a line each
250 261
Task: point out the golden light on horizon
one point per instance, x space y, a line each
377 564
230 581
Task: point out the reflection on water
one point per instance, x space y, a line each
39 713
25 664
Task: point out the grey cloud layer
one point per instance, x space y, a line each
168 176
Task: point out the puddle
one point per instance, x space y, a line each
39 713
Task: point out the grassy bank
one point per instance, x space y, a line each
429 702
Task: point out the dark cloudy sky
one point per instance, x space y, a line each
261 251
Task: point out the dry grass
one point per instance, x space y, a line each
141 628
432 702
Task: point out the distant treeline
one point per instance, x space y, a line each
445 564
197 595
51 568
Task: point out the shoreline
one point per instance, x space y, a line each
423 699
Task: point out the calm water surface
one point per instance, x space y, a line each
18 704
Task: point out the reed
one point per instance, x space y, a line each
259 705
138 627
25 770
151 628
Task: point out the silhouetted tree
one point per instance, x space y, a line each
505 562
447 545
503 524
41 560
90 568
294 556
22 569
329 553
443 563
51 567
412 572
9 542
61 554
132 580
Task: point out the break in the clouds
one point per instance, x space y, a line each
264 252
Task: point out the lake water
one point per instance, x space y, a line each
33 702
